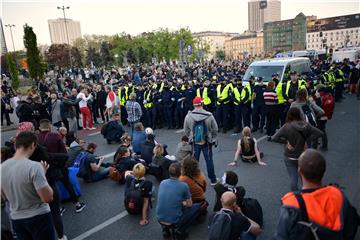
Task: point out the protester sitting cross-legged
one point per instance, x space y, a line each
174 204
159 166
228 182
195 179
114 130
94 169
138 192
123 162
184 149
230 223
316 211
138 137
247 149
24 185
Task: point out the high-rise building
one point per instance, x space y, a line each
3 42
262 11
286 35
57 29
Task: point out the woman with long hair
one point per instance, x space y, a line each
294 134
247 149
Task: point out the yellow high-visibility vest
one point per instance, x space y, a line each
237 96
204 96
301 84
123 99
222 95
148 103
279 93
243 93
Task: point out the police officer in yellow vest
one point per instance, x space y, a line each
236 99
149 105
204 92
293 86
123 97
246 99
339 82
223 104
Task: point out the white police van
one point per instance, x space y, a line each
266 68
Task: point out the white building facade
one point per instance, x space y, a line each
58 28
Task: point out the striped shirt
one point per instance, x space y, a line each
270 98
133 110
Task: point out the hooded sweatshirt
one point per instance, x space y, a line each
317 110
296 133
199 114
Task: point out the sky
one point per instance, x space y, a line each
109 17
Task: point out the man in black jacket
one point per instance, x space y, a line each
70 111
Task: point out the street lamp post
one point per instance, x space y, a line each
66 31
10 26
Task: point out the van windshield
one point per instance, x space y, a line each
265 72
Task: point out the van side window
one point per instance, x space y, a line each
287 73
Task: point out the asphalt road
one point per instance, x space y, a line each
105 216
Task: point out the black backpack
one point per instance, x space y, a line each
253 210
309 115
220 226
134 198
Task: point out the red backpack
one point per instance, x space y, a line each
328 104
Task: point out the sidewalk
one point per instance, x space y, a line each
13 126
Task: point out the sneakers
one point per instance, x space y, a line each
62 210
63 238
90 128
213 183
80 207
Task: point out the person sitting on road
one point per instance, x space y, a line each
138 138
228 183
241 226
114 130
136 179
247 149
184 149
96 170
174 204
147 149
159 166
76 147
326 208
124 161
195 179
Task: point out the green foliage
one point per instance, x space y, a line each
220 55
76 57
105 54
93 57
14 74
58 55
33 54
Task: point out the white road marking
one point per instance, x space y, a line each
262 138
101 226
179 131
93 134
109 155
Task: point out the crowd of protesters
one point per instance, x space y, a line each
201 99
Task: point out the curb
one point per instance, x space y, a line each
8 129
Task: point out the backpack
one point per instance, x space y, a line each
80 163
328 105
220 226
253 210
311 230
309 115
200 132
133 198
103 130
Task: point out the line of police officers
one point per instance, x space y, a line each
166 103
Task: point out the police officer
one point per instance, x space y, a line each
205 93
140 99
123 93
236 99
293 86
339 82
246 99
258 111
167 105
148 105
222 104
179 105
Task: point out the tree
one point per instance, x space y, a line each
76 57
131 58
58 55
32 52
105 54
14 74
93 57
220 54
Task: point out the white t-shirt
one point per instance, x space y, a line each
83 102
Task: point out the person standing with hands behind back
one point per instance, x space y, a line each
24 184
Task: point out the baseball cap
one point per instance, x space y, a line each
197 101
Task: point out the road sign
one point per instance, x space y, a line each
263 4
189 49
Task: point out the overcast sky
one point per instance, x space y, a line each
135 16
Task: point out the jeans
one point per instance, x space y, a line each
188 217
132 124
207 151
39 227
72 124
99 175
292 169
